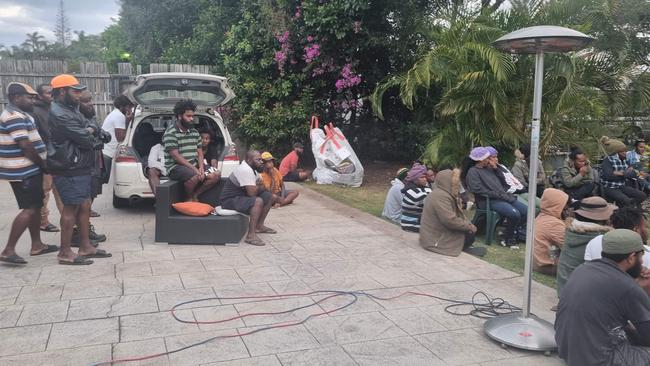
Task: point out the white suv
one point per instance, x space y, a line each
154 96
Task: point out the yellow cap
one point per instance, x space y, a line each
266 156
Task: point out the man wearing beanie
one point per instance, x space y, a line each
615 173
416 188
393 204
603 317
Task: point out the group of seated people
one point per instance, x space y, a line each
595 248
190 157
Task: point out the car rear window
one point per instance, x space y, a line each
172 96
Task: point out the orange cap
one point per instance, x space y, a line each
66 81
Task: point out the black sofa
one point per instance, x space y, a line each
175 228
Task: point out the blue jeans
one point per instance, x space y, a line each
514 212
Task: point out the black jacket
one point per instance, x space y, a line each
41 116
68 124
486 182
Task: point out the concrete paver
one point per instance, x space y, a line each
119 307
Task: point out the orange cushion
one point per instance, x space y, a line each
193 208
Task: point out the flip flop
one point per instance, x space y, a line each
94 214
49 249
100 253
13 259
266 230
77 261
256 242
50 228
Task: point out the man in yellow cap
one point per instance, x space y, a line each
71 164
273 182
22 163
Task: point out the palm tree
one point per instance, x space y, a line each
34 42
486 95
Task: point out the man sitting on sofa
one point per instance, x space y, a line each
184 153
243 192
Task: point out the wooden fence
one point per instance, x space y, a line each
104 86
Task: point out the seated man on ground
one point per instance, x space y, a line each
577 176
290 163
155 166
415 190
591 218
549 231
444 229
630 218
636 158
393 204
603 316
431 176
243 192
616 173
272 181
483 181
184 159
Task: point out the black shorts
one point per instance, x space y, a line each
244 204
106 172
181 173
96 184
292 177
29 192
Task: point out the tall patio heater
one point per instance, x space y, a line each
523 329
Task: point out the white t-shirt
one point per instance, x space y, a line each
115 119
595 248
245 175
156 158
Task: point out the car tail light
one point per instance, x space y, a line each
126 154
232 154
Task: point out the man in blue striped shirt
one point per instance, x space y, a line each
22 163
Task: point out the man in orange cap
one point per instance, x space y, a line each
22 163
71 167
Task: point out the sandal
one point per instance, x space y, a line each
256 242
94 214
100 253
50 228
49 249
13 259
266 230
77 261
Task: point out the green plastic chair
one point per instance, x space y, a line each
492 218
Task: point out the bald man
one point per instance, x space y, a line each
243 192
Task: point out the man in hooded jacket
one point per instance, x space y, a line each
444 229
549 231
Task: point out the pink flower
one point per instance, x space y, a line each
310 39
311 52
283 38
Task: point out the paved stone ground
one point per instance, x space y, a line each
60 315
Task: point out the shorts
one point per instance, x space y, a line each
29 192
244 204
292 177
73 190
181 173
158 165
96 184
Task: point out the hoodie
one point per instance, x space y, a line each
549 227
393 203
578 234
443 225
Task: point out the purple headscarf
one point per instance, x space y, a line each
417 170
479 153
492 151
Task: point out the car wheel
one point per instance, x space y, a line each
120 202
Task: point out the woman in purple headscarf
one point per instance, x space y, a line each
415 190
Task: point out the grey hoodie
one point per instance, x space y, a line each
485 182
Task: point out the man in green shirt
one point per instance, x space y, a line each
184 155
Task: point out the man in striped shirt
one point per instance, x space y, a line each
22 163
415 190
184 153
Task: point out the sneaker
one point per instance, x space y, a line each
475 251
509 243
100 238
76 240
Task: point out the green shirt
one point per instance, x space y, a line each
187 143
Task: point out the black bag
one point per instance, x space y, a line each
62 156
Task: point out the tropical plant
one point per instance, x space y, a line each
487 95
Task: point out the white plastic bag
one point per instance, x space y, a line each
336 161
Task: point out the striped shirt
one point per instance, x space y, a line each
412 204
15 126
187 143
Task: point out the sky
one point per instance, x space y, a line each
19 17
